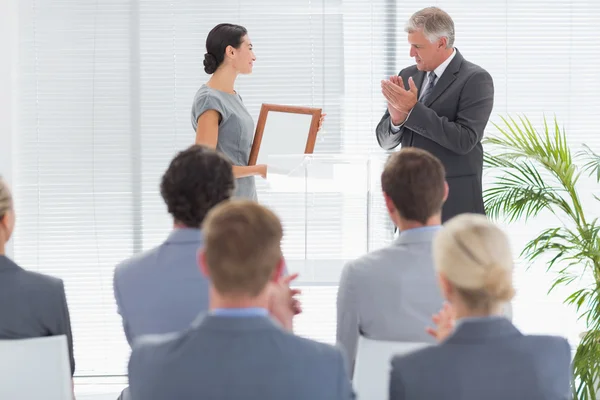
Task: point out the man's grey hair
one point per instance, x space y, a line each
435 23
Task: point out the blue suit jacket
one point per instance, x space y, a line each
162 290
485 359
230 358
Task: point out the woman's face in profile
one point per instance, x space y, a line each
244 57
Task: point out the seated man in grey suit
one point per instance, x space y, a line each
31 304
237 351
162 290
481 355
391 293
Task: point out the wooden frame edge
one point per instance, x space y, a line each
262 122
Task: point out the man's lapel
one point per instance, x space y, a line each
419 78
446 79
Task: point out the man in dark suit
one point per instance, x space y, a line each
442 105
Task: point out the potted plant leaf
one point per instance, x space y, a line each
535 171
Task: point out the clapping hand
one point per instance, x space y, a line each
283 304
444 322
400 100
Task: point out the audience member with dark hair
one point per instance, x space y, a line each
237 351
391 293
162 290
481 354
31 304
219 117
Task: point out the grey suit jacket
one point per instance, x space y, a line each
230 358
32 305
450 125
389 294
485 359
162 290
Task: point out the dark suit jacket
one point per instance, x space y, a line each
450 125
230 358
485 359
32 305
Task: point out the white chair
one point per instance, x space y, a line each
34 369
373 365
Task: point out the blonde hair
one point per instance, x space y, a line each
475 256
242 244
6 202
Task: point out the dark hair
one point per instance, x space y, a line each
414 180
197 179
218 39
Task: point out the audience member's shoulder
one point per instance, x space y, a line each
32 281
37 279
135 262
313 349
548 344
415 358
373 259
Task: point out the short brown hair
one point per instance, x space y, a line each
414 180
242 244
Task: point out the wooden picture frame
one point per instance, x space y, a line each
265 109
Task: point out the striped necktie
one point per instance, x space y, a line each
429 88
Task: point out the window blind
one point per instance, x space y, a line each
104 98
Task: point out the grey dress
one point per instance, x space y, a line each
236 131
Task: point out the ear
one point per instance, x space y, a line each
229 51
445 286
279 269
389 204
446 190
443 42
202 263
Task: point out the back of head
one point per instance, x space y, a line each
435 23
475 256
6 201
415 181
218 39
7 215
197 179
242 245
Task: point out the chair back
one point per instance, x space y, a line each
373 365
36 368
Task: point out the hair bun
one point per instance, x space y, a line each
498 283
210 63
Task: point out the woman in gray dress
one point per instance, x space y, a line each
219 116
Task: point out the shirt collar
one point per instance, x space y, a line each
442 67
185 235
422 234
240 312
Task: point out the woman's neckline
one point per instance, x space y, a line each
221 91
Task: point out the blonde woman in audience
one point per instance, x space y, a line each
31 304
481 354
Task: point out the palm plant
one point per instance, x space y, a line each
534 172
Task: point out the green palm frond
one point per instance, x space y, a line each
533 172
591 161
521 192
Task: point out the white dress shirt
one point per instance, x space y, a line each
438 72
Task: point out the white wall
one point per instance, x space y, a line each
8 85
